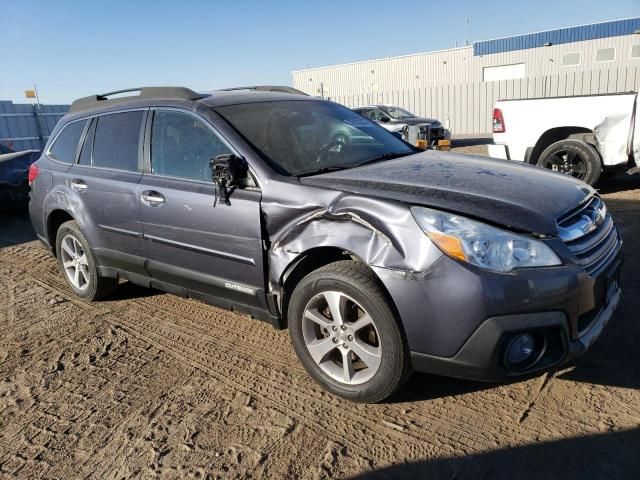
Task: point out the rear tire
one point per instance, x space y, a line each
360 353
573 157
78 265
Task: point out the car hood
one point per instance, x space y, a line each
513 195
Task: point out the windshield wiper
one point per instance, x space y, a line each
321 170
383 157
335 168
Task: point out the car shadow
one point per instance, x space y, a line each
613 359
618 183
457 142
15 227
611 455
130 291
424 387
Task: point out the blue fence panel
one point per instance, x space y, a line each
25 126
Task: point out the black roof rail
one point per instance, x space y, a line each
266 88
179 93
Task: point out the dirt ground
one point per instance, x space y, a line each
148 385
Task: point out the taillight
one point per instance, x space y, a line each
498 121
33 173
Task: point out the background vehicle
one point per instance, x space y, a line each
14 186
245 200
581 136
395 119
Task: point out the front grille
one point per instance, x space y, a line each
435 132
589 232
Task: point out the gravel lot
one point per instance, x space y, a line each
149 385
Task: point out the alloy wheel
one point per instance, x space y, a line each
568 162
75 262
341 338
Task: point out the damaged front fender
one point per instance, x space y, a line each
382 233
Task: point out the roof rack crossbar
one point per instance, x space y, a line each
116 92
266 88
92 101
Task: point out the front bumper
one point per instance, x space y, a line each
460 320
482 356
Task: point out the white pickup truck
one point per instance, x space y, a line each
581 136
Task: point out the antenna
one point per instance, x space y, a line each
466 26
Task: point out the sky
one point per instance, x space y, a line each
75 48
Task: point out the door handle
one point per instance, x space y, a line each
78 185
152 198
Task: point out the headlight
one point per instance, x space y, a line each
482 245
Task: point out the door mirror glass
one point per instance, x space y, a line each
385 119
227 172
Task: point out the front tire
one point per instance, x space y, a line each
79 266
572 157
345 333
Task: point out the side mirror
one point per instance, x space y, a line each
226 171
385 119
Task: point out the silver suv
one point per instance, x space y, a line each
378 258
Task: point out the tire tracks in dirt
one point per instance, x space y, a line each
186 342
185 339
252 359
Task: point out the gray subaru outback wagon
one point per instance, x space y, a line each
379 259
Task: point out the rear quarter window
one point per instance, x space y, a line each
65 147
117 140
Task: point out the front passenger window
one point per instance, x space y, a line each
182 146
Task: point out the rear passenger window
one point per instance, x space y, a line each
182 145
117 137
65 147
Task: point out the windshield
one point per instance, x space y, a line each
303 137
397 113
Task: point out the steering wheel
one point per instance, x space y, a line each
338 140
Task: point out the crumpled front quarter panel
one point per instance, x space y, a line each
382 233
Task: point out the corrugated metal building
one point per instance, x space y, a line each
27 126
460 85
